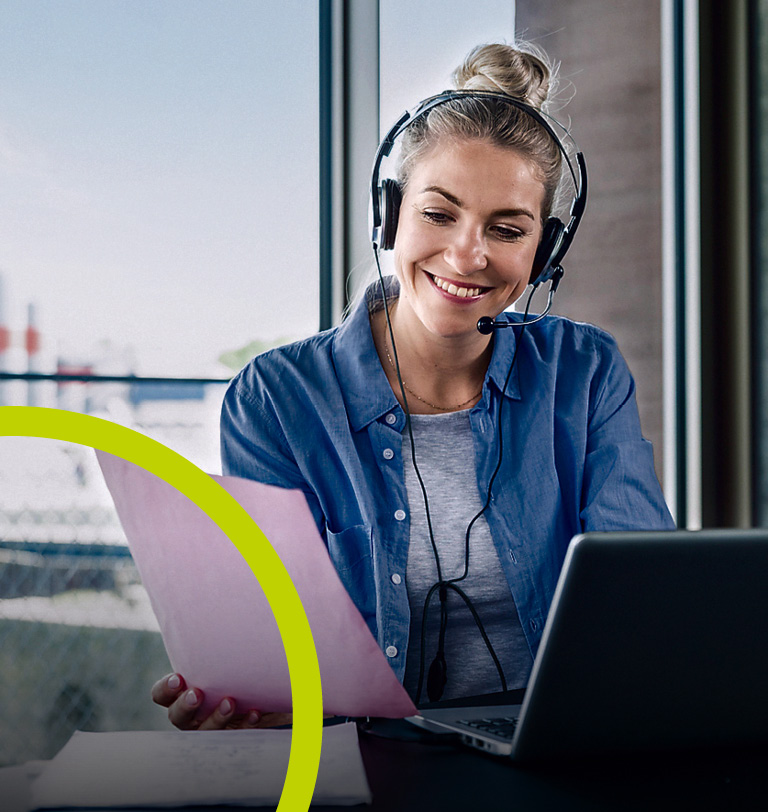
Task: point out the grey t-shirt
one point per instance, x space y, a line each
445 456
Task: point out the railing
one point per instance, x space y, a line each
89 378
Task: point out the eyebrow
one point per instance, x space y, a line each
457 202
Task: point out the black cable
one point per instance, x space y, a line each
440 656
407 412
438 669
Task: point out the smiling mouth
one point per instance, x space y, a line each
462 291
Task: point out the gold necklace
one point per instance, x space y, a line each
433 405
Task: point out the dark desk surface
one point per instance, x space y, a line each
410 771
423 774
416 776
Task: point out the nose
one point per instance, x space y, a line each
466 251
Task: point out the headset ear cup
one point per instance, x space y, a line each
389 201
549 246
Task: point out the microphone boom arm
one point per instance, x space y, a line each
486 325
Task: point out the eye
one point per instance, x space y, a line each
507 233
439 218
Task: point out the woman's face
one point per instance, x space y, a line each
469 226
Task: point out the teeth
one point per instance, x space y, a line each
448 287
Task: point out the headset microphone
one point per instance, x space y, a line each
486 324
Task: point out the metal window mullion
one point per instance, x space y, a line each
362 120
739 225
758 103
692 263
724 333
349 126
331 157
672 218
681 310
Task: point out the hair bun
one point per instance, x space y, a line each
523 71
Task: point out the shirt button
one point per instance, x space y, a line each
391 651
388 453
391 419
396 579
399 515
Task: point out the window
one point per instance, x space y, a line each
158 190
157 180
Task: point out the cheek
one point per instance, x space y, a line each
398 262
416 240
410 248
524 264
518 273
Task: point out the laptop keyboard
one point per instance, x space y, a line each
503 726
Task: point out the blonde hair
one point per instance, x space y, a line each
522 71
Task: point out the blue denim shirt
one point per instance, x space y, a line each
319 415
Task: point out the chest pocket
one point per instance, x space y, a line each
351 552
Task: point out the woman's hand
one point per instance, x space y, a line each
183 703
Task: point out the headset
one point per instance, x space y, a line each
556 239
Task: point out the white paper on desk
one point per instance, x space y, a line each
216 622
175 768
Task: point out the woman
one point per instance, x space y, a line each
447 470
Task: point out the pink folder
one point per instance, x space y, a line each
217 625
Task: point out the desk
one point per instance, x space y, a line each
412 776
407 776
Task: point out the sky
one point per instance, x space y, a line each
158 166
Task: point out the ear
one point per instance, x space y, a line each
551 239
390 196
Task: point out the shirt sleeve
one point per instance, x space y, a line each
253 445
620 488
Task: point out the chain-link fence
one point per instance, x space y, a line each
79 644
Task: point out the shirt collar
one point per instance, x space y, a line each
504 343
367 393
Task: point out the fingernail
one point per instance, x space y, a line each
253 718
191 698
225 708
174 683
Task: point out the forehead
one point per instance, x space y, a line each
478 172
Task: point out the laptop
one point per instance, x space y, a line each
654 641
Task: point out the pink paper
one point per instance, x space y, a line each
217 625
